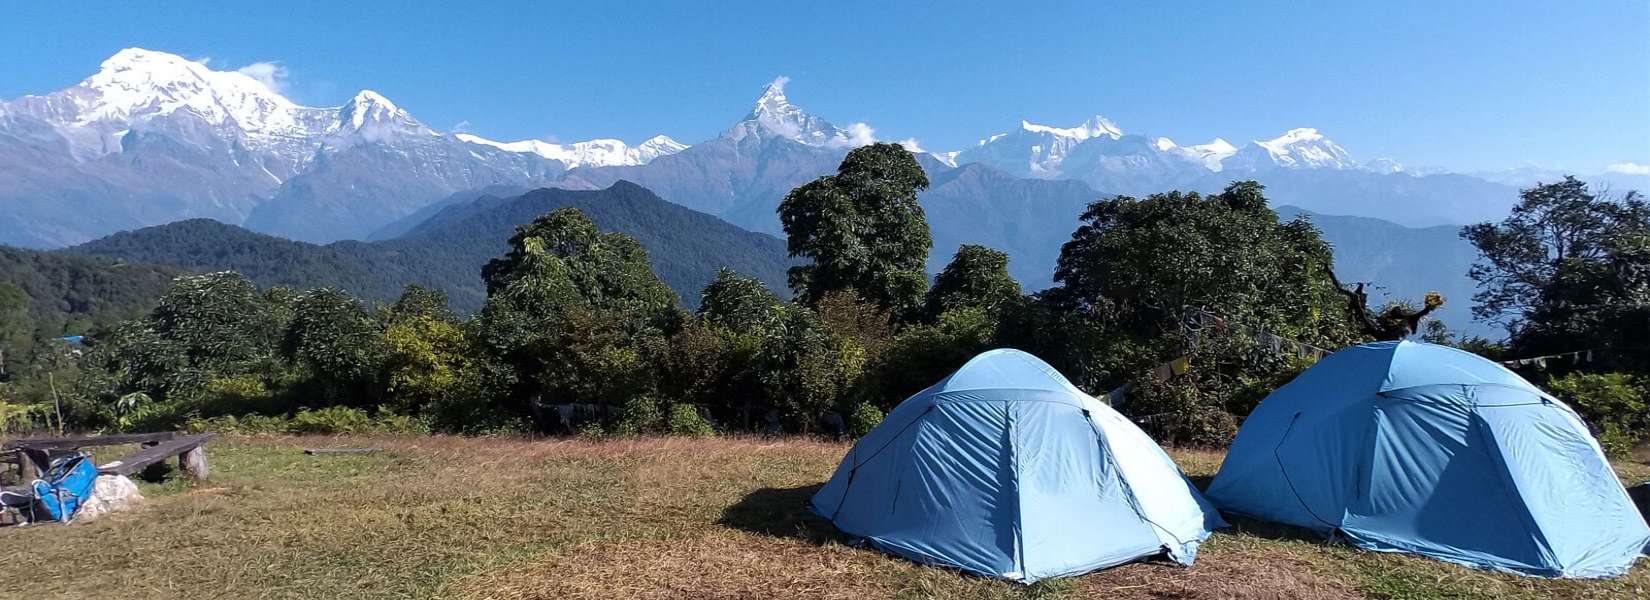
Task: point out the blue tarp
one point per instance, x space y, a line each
1407 447
1005 469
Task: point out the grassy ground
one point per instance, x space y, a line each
653 518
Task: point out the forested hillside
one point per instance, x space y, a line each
447 251
47 294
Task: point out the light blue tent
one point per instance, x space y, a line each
1407 447
1005 469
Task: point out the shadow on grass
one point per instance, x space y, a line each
1201 481
1272 531
781 512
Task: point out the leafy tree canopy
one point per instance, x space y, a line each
1568 270
738 303
1146 265
862 229
977 277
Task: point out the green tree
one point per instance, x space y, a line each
338 344
1187 276
573 316
977 277
428 361
1569 269
713 362
215 321
923 354
419 301
1149 264
738 303
862 229
806 369
565 250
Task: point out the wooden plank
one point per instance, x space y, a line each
136 461
70 443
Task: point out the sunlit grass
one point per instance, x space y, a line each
648 518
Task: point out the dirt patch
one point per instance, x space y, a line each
724 566
1258 576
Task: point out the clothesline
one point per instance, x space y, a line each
1575 357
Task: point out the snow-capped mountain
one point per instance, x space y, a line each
774 116
1210 155
1302 148
1037 150
153 137
1098 144
593 153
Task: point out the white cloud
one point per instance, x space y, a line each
861 134
912 145
460 127
269 73
1629 168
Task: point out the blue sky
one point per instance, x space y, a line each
1467 86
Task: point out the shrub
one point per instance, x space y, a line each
235 394
638 415
686 420
331 420
1612 404
863 419
1177 412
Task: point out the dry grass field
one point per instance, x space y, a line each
447 517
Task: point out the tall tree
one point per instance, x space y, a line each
574 316
1149 264
1555 230
339 345
1193 279
977 277
738 303
862 229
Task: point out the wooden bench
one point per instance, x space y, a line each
190 450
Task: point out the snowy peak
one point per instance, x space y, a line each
1094 127
1209 156
135 83
1301 147
370 109
1036 150
773 104
657 146
591 153
773 115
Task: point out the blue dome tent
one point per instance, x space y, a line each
1005 469
1407 447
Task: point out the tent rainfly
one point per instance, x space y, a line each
1005 469
1407 447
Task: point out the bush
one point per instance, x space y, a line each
332 420
638 415
1177 413
686 420
235 394
1612 404
863 419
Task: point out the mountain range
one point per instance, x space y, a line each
153 138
